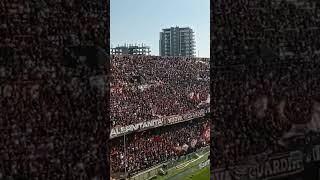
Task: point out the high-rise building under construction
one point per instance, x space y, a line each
176 41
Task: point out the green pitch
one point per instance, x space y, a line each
203 174
182 171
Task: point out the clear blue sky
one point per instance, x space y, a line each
140 21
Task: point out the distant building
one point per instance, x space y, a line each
131 49
177 41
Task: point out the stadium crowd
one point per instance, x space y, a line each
44 118
49 128
265 53
265 104
288 30
148 87
146 149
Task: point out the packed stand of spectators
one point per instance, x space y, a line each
148 87
264 107
269 98
246 31
146 149
48 124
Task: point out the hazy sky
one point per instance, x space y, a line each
140 21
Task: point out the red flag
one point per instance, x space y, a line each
157 139
136 136
206 134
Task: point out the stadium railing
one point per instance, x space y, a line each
188 157
148 174
153 172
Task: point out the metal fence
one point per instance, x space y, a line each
187 157
152 172
147 174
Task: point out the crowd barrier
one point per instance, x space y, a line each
300 162
152 172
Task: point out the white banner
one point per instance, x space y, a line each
313 155
204 164
278 165
221 174
135 127
169 120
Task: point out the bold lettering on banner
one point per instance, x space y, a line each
260 171
252 172
221 175
283 165
194 115
144 125
316 153
134 127
156 123
174 119
218 176
275 167
290 164
147 124
114 132
160 122
268 169
122 129
297 165
204 164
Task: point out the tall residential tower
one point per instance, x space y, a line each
177 41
